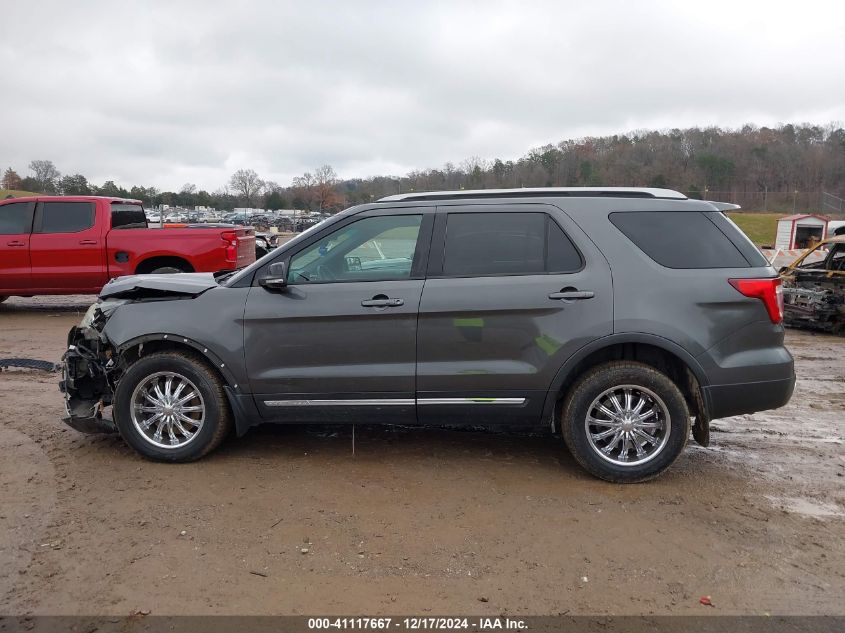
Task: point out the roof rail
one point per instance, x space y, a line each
545 192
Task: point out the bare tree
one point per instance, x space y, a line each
303 188
319 190
247 184
188 188
325 188
45 174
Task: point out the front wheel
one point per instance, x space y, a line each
625 421
170 406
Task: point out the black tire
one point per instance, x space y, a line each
599 380
166 270
217 420
2 298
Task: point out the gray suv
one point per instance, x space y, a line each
623 319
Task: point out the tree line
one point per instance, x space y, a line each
758 167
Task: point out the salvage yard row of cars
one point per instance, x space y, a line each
559 308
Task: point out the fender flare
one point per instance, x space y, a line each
228 377
565 372
240 402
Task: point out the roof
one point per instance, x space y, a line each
801 216
70 199
550 192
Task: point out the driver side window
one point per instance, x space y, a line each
372 249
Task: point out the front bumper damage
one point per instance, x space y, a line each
88 371
92 366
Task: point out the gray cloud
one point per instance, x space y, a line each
163 93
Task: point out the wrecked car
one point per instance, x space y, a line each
561 308
814 293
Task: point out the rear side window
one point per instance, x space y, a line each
679 239
506 244
127 216
66 217
15 218
561 254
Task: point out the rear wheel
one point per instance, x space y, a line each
625 422
2 298
166 270
170 406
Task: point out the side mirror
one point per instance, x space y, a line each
276 276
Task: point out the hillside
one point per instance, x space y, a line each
16 193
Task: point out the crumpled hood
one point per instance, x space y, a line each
186 284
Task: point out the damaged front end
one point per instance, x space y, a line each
92 365
89 368
815 300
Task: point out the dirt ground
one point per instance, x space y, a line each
290 521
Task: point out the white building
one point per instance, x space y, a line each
799 230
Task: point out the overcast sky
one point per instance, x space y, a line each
166 92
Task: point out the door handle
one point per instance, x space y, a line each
88 242
382 303
571 295
15 243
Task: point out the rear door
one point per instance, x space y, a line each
67 248
512 292
15 227
339 342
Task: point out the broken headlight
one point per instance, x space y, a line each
88 319
99 313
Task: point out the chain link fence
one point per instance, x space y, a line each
785 202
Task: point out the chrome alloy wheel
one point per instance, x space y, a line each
628 425
167 409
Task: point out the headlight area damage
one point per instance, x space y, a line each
92 366
89 370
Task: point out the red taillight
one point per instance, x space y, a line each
769 291
231 246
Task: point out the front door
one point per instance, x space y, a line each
67 250
338 343
15 226
512 292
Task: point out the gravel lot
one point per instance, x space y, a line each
290 521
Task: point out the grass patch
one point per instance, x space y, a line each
16 193
759 227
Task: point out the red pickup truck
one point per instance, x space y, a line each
51 245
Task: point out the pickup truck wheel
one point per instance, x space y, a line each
166 270
625 422
170 406
2 299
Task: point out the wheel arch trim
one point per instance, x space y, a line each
241 403
564 374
